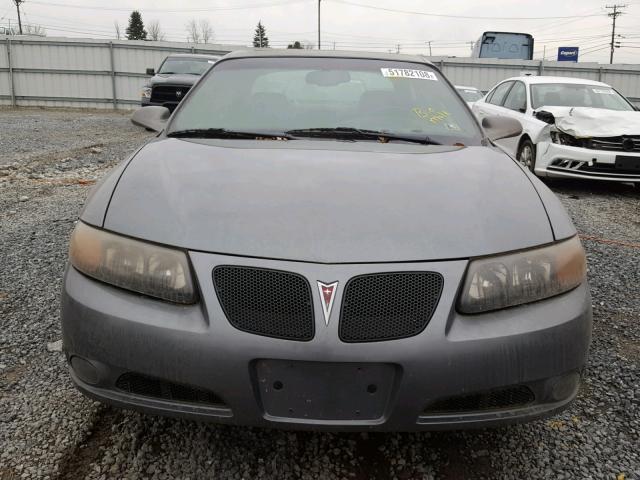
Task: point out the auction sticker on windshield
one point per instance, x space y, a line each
604 92
408 73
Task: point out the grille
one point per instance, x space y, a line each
145 386
266 302
497 399
617 144
595 169
387 306
167 93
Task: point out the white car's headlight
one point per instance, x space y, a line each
131 264
146 92
514 279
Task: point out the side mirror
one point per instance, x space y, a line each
153 117
498 128
546 117
151 72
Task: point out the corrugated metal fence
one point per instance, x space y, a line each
70 72
485 73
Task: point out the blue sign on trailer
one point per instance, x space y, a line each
567 54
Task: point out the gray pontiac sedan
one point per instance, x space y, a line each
326 240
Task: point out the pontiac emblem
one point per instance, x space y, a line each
327 295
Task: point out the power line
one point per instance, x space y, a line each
442 15
4 15
163 10
614 14
595 50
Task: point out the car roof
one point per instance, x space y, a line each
295 52
194 55
536 79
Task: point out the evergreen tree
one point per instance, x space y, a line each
260 39
135 30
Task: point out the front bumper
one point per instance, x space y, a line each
562 161
111 332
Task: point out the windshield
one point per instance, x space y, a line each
285 94
470 94
577 95
186 66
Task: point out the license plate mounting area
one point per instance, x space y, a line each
324 391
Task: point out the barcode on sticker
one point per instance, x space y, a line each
408 73
606 92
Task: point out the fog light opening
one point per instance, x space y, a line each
84 370
561 388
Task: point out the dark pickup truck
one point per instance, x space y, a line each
176 75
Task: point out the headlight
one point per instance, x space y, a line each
131 264
566 139
146 92
508 280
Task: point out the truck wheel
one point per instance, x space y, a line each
527 154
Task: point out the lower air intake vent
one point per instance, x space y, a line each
497 399
266 302
145 386
387 306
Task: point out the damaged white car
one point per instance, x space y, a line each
571 127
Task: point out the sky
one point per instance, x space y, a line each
377 25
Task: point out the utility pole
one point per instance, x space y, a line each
319 24
614 14
471 45
18 2
429 43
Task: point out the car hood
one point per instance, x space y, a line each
584 122
178 79
324 202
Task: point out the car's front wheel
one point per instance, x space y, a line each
527 154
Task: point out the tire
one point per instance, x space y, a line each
527 154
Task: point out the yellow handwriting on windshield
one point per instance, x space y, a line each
433 116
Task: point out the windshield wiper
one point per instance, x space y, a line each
224 133
350 133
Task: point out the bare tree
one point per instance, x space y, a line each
32 29
307 45
199 31
193 32
206 30
154 31
116 25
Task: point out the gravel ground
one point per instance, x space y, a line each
48 430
